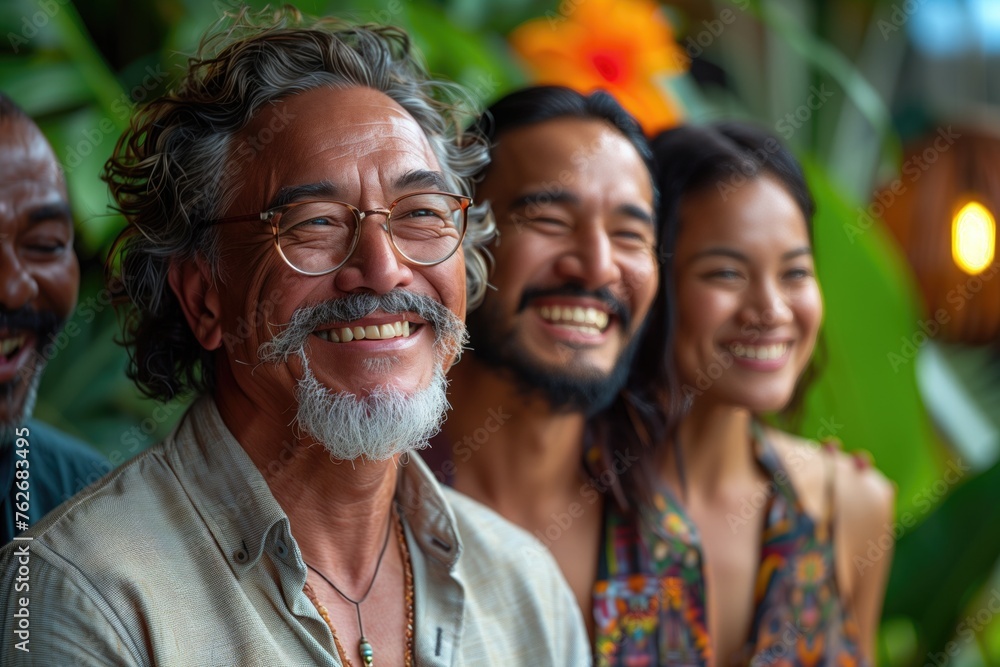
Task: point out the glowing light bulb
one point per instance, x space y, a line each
973 238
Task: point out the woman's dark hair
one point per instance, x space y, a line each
635 420
722 156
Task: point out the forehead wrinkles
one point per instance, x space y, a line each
396 135
346 130
27 159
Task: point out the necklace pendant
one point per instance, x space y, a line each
366 651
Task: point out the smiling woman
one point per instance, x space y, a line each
752 530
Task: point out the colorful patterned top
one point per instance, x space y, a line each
650 604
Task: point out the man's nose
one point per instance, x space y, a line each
591 260
18 287
375 264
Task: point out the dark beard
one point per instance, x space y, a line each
44 325
585 390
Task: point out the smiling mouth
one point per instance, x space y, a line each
761 352
400 329
11 345
585 320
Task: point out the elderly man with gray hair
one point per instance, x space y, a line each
300 238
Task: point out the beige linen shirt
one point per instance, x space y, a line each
182 557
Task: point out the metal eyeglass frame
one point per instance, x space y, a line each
273 216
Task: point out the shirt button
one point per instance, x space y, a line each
281 548
241 556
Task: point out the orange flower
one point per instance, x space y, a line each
622 46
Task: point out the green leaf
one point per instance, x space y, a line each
942 565
864 396
826 58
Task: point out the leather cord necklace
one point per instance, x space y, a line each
364 647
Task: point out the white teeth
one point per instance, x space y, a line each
762 352
371 332
593 320
8 345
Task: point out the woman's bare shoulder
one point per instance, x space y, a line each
864 497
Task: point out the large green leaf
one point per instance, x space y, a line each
863 397
942 565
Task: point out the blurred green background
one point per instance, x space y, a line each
80 68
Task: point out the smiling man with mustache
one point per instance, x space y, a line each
299 253
39 280
576 275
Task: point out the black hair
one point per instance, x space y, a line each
538 104
722 156
635 420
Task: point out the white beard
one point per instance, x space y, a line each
387 421
377 427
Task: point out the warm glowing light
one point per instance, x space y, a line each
973 238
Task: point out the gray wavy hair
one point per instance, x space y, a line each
168 171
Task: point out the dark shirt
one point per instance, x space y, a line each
59 466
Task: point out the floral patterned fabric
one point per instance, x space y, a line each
650 604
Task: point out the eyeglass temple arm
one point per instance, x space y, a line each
253 217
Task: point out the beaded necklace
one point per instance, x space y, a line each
364 648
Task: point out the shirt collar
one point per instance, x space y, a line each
224 485
426 510
240 510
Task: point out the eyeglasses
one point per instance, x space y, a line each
318 237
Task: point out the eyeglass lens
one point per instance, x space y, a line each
317 236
